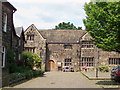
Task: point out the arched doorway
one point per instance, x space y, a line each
52 65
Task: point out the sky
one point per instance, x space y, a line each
46 14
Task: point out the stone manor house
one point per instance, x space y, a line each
59 48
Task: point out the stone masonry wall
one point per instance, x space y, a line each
0 44
57 53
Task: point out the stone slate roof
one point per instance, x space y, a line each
18 31
65 36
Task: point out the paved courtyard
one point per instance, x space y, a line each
60 80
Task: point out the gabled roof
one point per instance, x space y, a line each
86 37
5 2
66 36
19 31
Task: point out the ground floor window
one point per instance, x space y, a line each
88 61
68 62
3 56
114 61
30 49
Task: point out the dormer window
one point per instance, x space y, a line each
30 37
5 22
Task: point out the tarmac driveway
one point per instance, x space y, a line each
59 80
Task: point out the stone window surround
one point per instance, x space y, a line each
88 61
114 61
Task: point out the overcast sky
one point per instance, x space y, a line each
45 14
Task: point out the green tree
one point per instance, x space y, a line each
68 26
103 23
31 60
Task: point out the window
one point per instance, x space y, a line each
30 37
67 46
3 56
68 62
88 61
30 49
87 44
114 61
5 22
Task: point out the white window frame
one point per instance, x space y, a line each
5 22
3 57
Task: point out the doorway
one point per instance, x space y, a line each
52 65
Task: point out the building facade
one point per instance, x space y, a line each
72 48
18 44
0 44
35 43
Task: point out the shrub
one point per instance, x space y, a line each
31 60
15 76
28 74
11 60
103 68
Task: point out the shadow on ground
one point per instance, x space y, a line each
23 81
107 83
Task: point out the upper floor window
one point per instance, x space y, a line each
3 56
5 22
87 44
114 61
68 46
30 37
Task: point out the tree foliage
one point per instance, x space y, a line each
103 23
31 60
68 26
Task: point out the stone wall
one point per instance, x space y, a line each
0 44
6 39
58 54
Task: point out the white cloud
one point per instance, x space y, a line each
45 14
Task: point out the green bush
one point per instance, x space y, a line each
15 76
104 68
42 71
31 60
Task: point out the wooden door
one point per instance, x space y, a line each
52 65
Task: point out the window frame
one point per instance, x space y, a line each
67 46
68 62
87 44
5 19
114 61
88 61
3 56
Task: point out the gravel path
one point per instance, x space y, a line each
59 80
